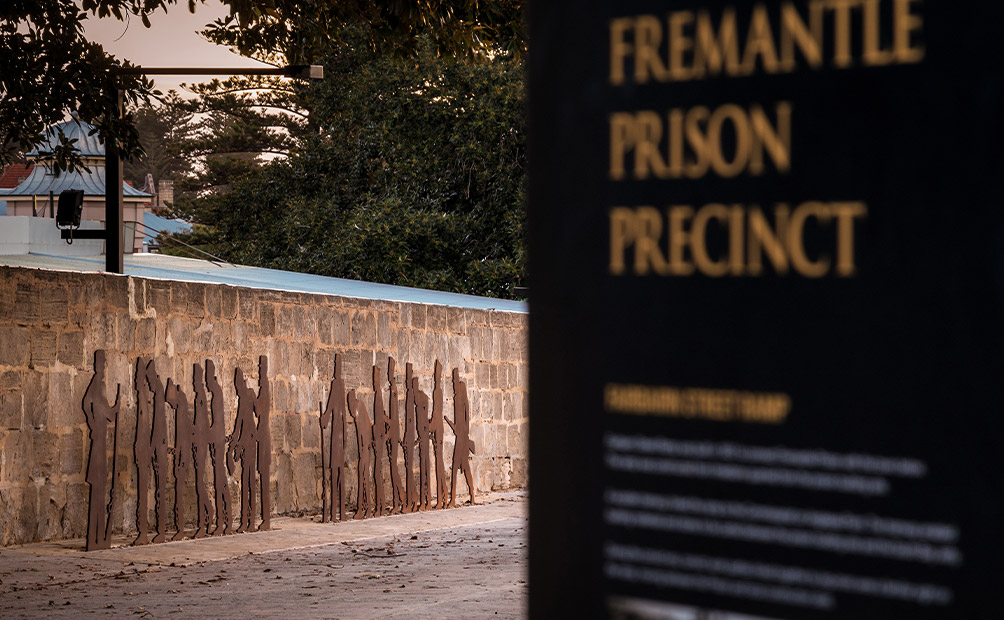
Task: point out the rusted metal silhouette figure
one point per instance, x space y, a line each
184 443
364 441
263 407
437 430
394 441
463 447
99 414
158 444
334 415
244 447
200 449
142 448
409 441
380 427
422 415
218 453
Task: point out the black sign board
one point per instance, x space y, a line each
767 309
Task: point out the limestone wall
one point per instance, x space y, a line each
52 322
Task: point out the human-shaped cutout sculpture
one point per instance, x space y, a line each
409 442
463 447
99 414
334 415
142 448
158 445
200 449
394 441
184 441
244 448
422 415
380 427
263 407
218 453
437 430
364 442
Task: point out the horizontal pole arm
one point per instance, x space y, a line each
83 233
302 71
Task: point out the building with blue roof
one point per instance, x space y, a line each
31 196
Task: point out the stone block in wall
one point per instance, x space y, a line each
436 318
386 332
363 328
70 349
214 302
456 321
11 409
289 427
71 452
55 305
419 314
15 345
247 305
195 298
27 514
10 380
27 308
228 302
306 475
43 347
310 430
341 333
304 323
269 320
36 398
116 293
65 411
126 333
158 296
179 336
51 507
282 466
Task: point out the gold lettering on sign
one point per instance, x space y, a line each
693 45
728 141
748 240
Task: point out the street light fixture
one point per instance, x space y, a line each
112 233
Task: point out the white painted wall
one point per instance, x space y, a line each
21 234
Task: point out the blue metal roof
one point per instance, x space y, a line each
188 269
86 141
162 224
40 183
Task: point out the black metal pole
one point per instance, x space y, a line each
113 198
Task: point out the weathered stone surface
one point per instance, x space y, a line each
71 348
363 329
11 409
71 452
27 305
15 345
46 365
44 454
159 297
55 305
306 475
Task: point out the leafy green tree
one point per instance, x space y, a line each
51 69
414 177
165 129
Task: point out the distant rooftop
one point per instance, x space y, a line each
84 133
166 267
40 183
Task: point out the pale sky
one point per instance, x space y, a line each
171 41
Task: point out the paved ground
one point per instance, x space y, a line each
463 563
